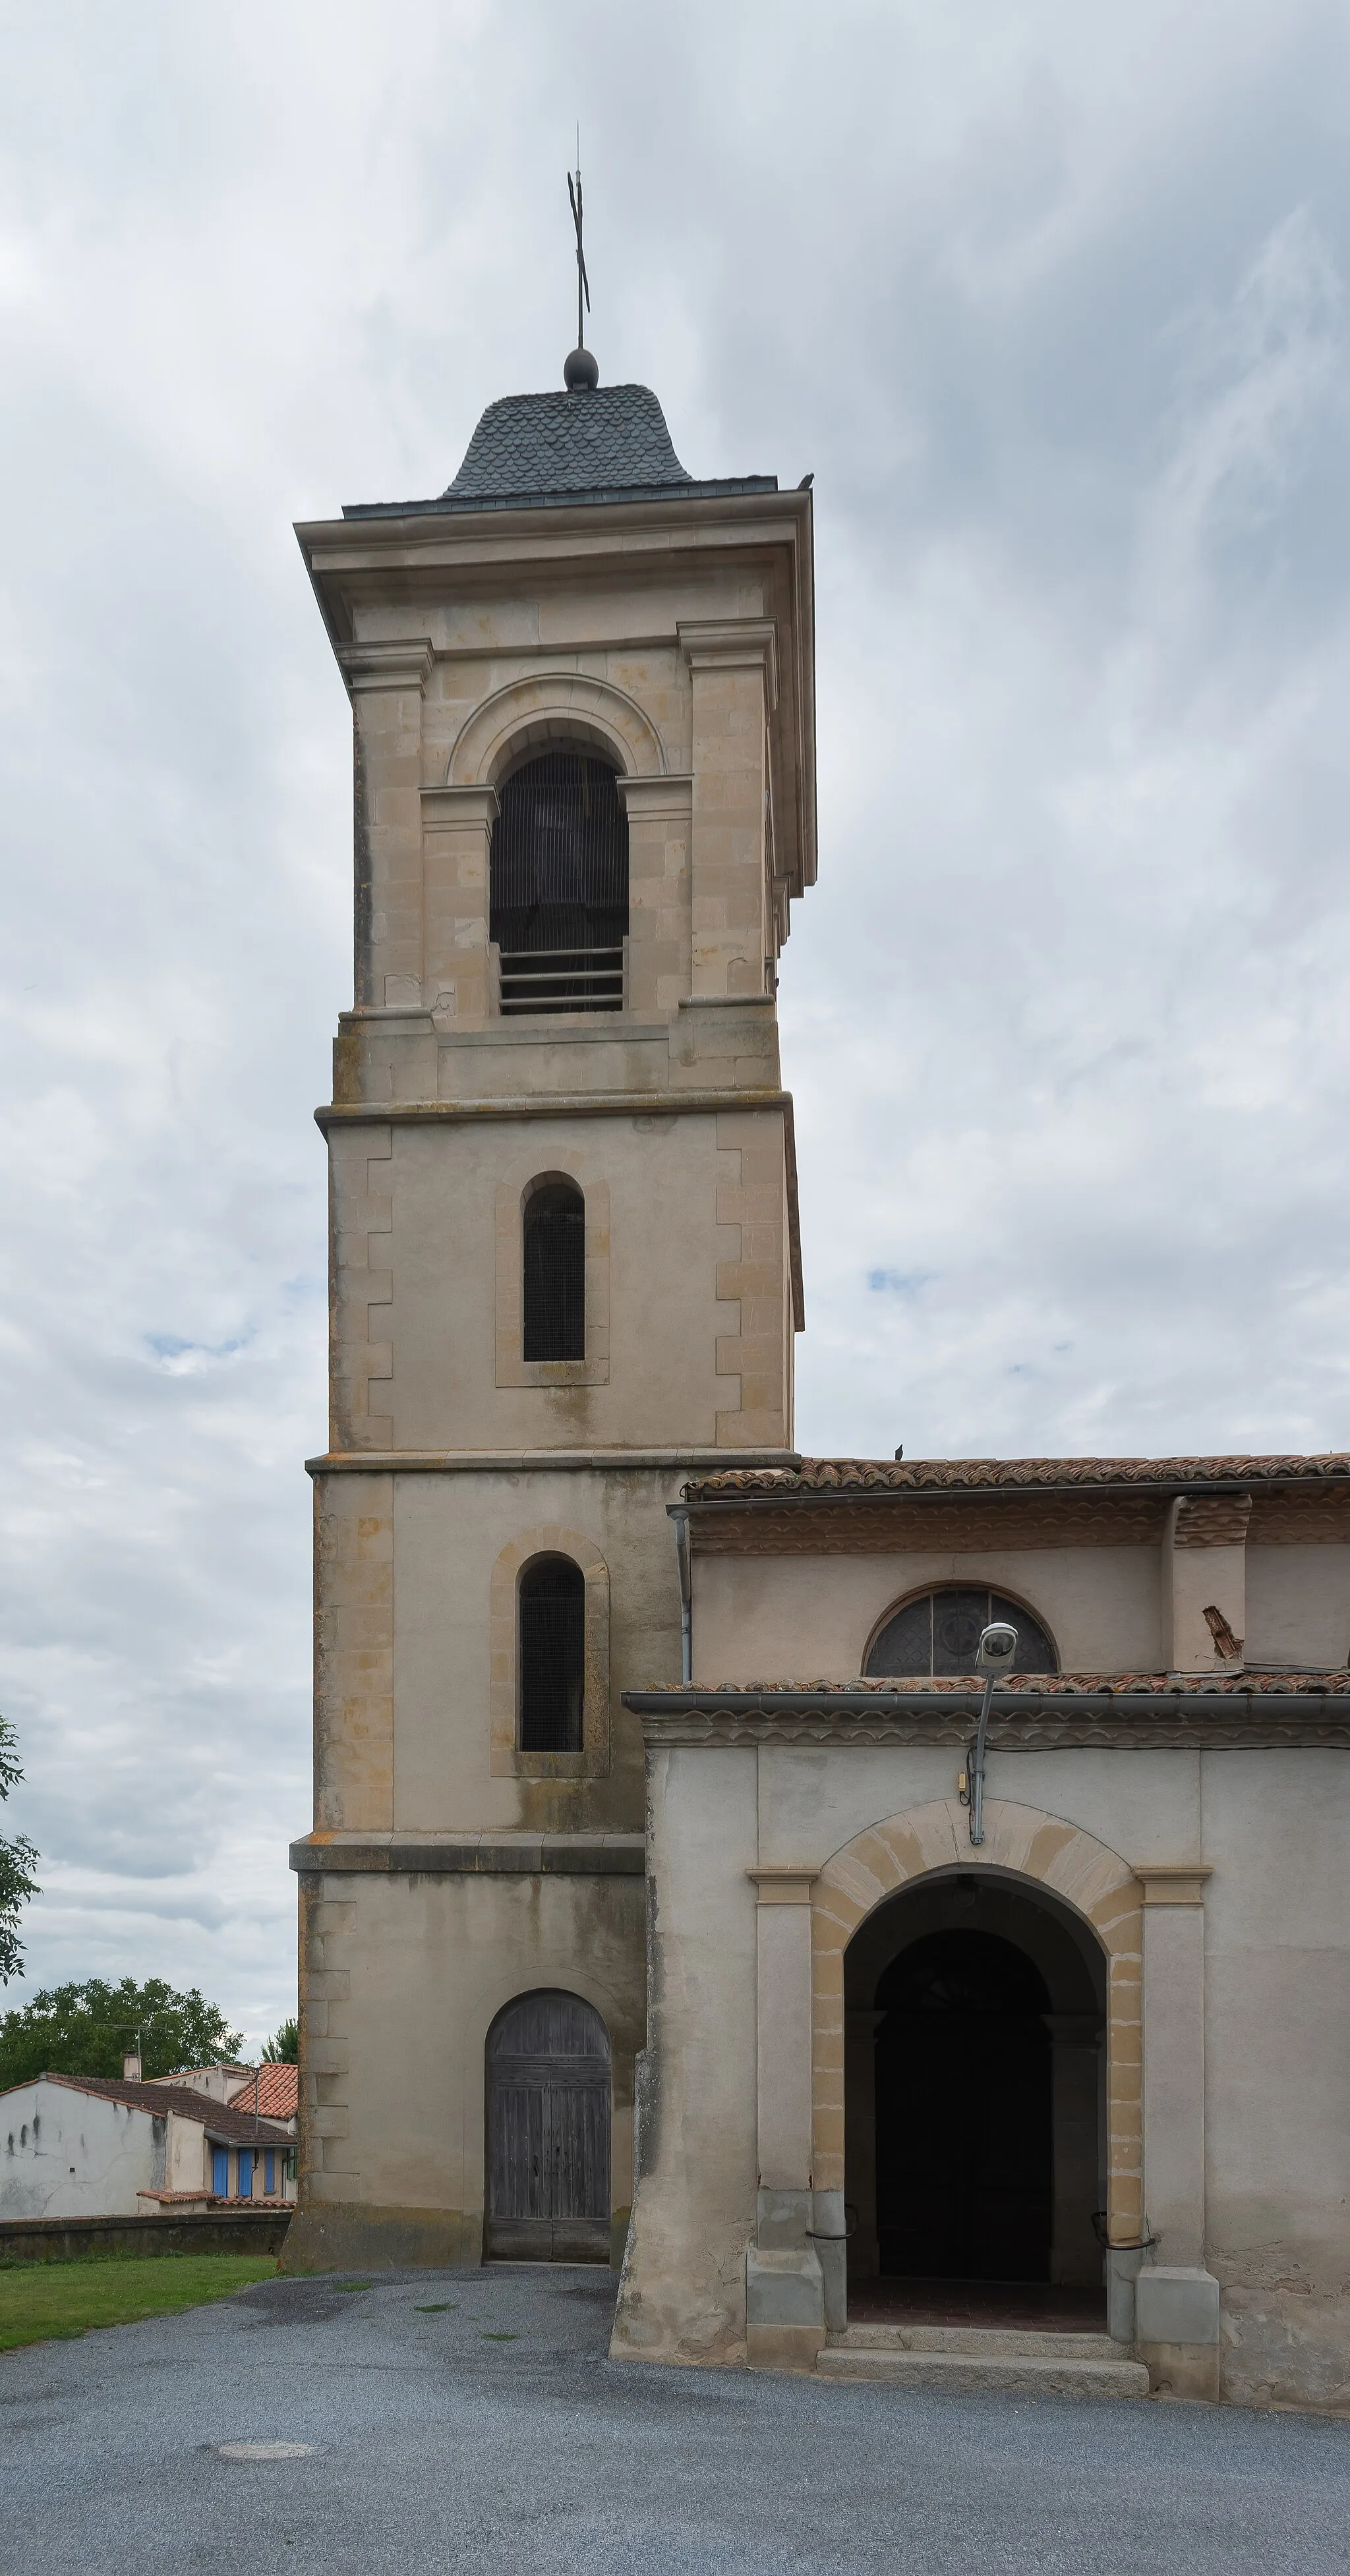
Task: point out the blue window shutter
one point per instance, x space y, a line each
220 2172
246 2173
269 2172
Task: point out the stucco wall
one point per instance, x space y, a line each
811 1618
75 2155
1298 1604
1272 1826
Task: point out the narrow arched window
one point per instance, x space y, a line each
554 1255
552 1598
558 908
940 1631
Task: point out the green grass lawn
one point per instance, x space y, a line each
38 2300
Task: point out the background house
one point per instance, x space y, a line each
76 2146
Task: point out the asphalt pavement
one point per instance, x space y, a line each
471 2420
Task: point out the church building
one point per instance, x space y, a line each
894 1913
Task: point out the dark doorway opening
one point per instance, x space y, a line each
548 2122
975 2100
963 2111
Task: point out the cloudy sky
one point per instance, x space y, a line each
1052 301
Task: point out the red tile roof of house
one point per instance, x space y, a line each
219 2119
278 2092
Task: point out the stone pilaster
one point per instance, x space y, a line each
734 673
387 681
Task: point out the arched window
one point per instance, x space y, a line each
940 1631
559 885
553 1305
552 1651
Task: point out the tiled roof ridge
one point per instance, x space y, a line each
1331 1684
158 2098
964 1475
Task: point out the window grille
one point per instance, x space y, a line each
940 1632
554 1253
559 886
552 1655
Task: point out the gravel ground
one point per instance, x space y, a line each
471 2420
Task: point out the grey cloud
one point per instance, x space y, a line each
1053 304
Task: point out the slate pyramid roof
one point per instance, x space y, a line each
577 442
544 451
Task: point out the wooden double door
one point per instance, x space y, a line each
548 2120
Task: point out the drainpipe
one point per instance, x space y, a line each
681 1519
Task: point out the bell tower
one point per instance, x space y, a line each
564 1278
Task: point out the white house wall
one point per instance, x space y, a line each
76 2155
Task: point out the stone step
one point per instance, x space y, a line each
1058 2374
1008 2340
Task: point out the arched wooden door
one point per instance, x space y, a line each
547 2133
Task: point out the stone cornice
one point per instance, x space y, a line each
404 663
448 807
730 644
929 1523
549 1104
669 798
485 1854
1173 1882
1168 1719
781 1882
524 1462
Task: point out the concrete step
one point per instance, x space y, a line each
986 2358
1009 2340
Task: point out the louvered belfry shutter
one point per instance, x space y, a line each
558 908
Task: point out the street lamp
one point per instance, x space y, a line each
993 1657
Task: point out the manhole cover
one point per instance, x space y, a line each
263 2450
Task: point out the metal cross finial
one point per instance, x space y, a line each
583 282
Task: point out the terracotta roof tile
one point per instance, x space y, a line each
278 2092
984 1475
1331 1685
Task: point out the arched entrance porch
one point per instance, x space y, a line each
975 2131
1077 1899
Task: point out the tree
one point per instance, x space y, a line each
17 1882
87 2030
283 2049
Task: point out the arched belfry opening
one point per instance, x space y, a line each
559 884
975 2130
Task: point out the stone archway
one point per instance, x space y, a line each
1084 1873
550 707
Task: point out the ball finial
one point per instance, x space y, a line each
581 374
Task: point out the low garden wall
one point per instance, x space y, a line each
62 2240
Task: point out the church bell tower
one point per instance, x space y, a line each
564 1279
